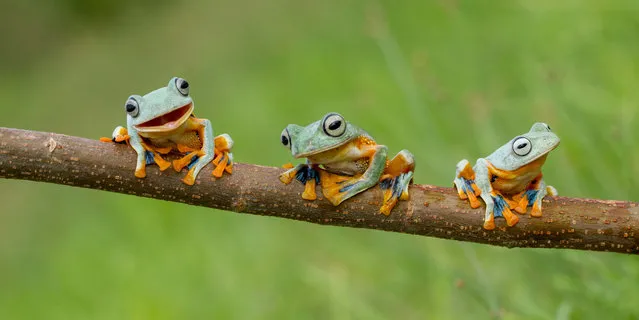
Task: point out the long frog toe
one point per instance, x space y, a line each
163 164
190 176
511 218
219 169
229 168
489 224
185 161
140 173
536 209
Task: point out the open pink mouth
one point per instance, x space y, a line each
168 120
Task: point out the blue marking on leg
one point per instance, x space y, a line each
394 184
386 184
468 185
531 195
348 187
397 188
193 161
148 155
500 204
307 173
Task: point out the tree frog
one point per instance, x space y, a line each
351 162
509 178
162 121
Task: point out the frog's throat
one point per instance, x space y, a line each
168 121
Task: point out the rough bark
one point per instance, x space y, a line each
585 224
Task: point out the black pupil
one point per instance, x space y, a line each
130 107
521 146
335 125
284 140
184 84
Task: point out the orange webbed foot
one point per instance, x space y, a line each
309 190
489 224
140 173
332 184
288 175
221 162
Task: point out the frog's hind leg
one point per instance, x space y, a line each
536 195
396 179
465 183
338 188
119 135
223 157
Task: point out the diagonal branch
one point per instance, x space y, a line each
583 224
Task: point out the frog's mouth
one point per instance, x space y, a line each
168 121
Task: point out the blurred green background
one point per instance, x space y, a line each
447 79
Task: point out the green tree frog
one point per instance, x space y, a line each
509 178
346 161
162 121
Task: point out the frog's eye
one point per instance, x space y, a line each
286 138
132 108
522 146
182 86
334 125
548 127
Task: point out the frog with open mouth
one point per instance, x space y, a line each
161 122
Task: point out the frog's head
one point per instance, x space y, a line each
161 110
525 148
329 133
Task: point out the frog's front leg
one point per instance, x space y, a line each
306 174
340 189
206 154
136 143
496 205
396 179
223 156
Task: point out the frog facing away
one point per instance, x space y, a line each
345 160
509 178
162 121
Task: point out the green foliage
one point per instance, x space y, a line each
445 79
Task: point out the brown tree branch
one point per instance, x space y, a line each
583 224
